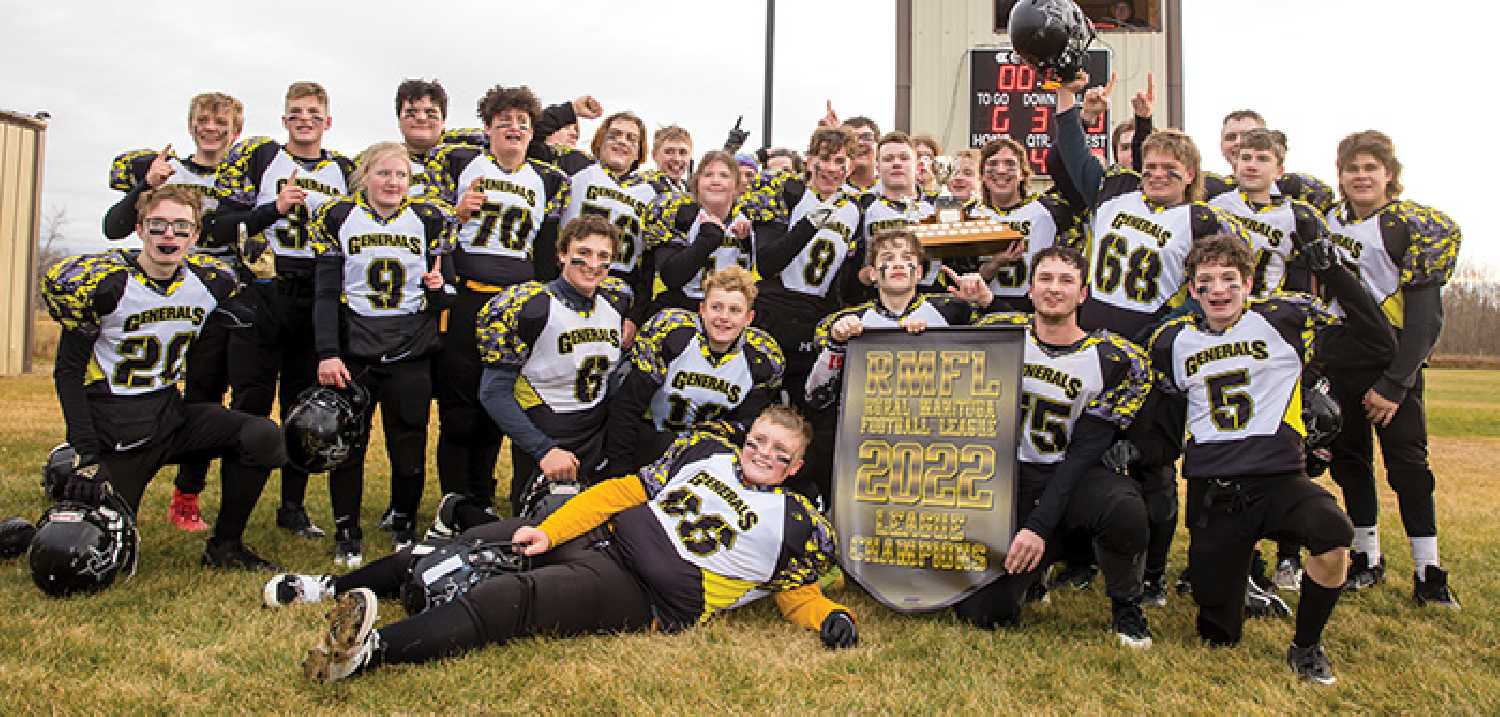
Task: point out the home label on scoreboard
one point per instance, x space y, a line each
1007 98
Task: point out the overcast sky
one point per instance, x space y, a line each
118 77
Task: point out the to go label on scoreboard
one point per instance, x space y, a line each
1006 99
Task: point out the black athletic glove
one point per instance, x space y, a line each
838 631
15 537
1120 456
1317 253
736 137
88 484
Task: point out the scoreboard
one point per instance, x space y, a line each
1006 98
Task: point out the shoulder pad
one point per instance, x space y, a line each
764 344
614 290
1169 328
129 169
813 546
1004 318
764 200
470 136
658 344
1309 189
1215 184
1434 240
68 288
660 223
497 325
215 273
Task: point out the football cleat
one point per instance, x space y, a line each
183 512
1288 574
445 518
1433 588
387 520
1311 664
1154 592
232 554
289 589
293 517
1362 574
1079 576
351 643
348 550
1260 602
1130 626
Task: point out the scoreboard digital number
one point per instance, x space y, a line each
1007 98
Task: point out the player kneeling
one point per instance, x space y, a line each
1238 368
702 530
128 320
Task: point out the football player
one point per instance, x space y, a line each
379 286
1142 226
692 235
965 174
686 369
1405 253
421 110
862 169
214 120
895 258
1235 369
928 150
1044 219
672 153
1079 389
273 189
701 531
896 202
507 207
129 319
1272 220
548 351
1306 187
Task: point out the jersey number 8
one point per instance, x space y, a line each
1140 269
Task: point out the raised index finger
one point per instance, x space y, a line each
1109 87
166 151
950 273
1150 86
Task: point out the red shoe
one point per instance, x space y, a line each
184 514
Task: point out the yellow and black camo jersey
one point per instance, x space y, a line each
810 280
1403 245
1275 231
380 263
883 214
1243 386
695 385
496 245
564 354
623 200
128 171
143 329
705 541
1136 252
827 374
659 181
254 173
1101 375
1043 220
1293 185
673 222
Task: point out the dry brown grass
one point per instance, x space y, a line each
181 639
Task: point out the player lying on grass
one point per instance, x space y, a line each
705 529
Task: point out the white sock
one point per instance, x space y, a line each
1424 552
1367 541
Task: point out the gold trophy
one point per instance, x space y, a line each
951 232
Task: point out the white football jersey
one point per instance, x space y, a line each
1137 253
515 207
596 191
813 269
883 214
572 355
697 389
383 263
289 236
1038 228
1271 229
143 344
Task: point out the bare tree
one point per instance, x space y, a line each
1471 311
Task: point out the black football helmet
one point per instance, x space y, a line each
325 427
443 570
543 497
1051 35
15 537
1322 419
83 548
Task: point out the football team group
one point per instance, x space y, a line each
662 345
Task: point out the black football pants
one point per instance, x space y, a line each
794 334
1403 444
403 390
1107 507
468 439
248 446
281 345
574 589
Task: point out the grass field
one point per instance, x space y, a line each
181 639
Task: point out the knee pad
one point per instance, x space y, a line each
1327 527
262 444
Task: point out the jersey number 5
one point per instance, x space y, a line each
1230 409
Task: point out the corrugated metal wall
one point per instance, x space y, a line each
22 148
944 31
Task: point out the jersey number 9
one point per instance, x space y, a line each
387 277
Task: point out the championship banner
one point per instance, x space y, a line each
924 473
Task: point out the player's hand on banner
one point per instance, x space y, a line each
290 195
433 279
471 202
969 288
1025 552
1143 101
89 483
1096 100
559 465
846 328
333 372
913 325
161 169
586 107
838 631
530 541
